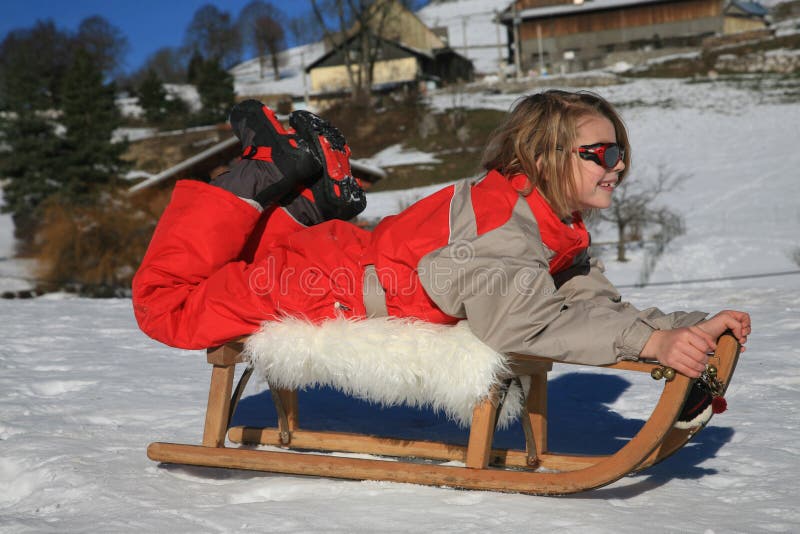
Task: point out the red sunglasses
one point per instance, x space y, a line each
607 155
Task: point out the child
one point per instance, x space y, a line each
506 252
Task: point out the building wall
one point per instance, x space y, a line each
741 24
619 19
589 37
334 78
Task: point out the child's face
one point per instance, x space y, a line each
593 184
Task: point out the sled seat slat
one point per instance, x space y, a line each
329 441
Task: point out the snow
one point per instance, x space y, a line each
84 391
15 273
471 30
248 78
398 155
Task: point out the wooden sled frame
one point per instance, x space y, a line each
536 470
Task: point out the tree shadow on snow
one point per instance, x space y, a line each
580 422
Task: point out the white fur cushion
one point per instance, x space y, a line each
386 361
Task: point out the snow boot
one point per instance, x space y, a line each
697 410
337 194
275 162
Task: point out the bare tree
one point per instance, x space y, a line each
212 34
357 27
168 63
305 28
261 25
270 41
633 210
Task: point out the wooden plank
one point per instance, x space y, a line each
537 411
640 366
365 469
481 432
289 400
350 442
328 441
228 354
219 404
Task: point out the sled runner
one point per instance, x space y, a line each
536 470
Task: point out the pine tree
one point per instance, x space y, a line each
215 86
153 98
194 67
32 65
31 166
90 116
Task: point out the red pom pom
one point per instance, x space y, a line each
719 404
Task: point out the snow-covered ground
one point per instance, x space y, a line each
84 391
15 274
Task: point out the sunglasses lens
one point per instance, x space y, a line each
611 156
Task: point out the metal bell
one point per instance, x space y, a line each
669 373
711 370
657 373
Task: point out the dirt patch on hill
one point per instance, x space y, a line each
156 154
455 138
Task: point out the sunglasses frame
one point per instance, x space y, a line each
597 154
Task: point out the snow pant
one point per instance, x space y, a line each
216 268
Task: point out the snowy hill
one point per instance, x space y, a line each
250 79
84 391
471 30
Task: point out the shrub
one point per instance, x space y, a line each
95 249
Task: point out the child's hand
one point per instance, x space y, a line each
738 322
684 349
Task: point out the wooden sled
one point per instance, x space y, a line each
536 470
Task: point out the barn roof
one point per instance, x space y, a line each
507 17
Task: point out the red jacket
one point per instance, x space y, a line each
217 268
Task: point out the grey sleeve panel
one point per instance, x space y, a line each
462 216
597 289
500 282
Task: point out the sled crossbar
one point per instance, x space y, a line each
535 470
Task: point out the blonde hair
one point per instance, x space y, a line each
544 127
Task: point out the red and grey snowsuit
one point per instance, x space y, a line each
217 268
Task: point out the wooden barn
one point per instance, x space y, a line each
559 36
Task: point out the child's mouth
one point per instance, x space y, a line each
607 186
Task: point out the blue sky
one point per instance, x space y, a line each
148 24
